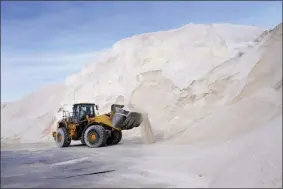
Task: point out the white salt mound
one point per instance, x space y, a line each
177 77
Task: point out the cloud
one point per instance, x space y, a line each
44 48
23 73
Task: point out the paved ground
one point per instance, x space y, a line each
132 164
123 165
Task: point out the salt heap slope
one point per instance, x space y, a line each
236 97
156 72
176 76
235 114
31 118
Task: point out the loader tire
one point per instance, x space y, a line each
62 138
95 136
115 137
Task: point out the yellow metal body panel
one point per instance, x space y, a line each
103 119
73 130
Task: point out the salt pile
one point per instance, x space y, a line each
198 84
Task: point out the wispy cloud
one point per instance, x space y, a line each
28 72
44 42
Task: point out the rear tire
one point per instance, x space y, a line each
62 138
95 136
115 137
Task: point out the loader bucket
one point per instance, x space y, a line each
124 119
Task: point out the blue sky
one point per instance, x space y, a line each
44 42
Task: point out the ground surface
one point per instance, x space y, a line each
251 160
124 165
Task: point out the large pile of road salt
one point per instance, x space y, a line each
198 83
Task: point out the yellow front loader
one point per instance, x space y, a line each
94 130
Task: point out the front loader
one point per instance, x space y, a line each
94 130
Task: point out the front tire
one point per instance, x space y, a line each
95 136
115 137
62 138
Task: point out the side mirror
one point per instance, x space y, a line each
96 107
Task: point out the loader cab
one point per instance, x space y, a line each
81 110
